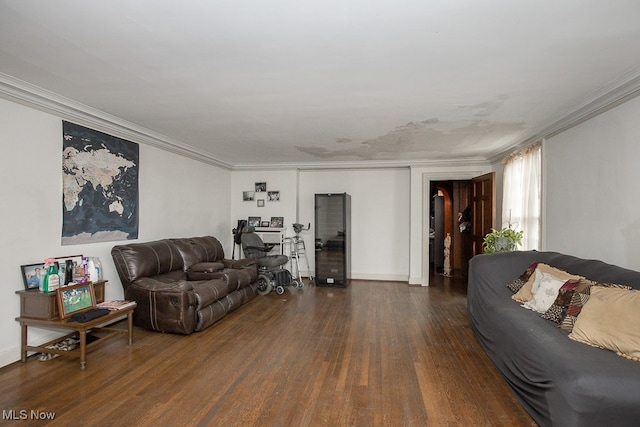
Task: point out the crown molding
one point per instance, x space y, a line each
365 164
68 109
600 101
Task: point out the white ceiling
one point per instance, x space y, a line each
301 82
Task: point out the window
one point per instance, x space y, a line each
521 194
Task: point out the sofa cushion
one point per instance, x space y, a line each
544 290
525 294
208 291
558 309
611 320
517 284
136 260
199 249
579 299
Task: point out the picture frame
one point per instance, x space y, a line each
277 222
273 196
254 221
261 187
76 298
32 275
248 196
261 203
264 224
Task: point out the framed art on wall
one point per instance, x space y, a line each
273 196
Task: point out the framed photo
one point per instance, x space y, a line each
261 187
273 196
32 275
248 196
75 299
261 203
277 221
254 221
264 224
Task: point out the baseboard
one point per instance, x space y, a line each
13 354
10 355
380 277
377 277
417 281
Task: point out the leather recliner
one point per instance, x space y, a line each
183 285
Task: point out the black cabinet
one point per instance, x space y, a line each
333 239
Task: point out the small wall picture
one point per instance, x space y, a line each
254 221
273 196
264 224
261 203
32 275
277 221
261 187
248 196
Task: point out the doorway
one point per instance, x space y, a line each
450 215
468 213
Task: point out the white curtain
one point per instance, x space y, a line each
521 194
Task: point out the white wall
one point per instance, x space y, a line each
379 217
591 207
379 211
284 181
179 197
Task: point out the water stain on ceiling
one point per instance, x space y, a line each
432 138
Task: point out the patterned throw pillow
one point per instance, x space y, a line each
544 290
518 283
579 298
558 309
524 294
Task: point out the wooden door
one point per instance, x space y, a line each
483 209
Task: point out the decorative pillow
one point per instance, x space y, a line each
558 309
518 283
611 320
579 299
524 294
544 290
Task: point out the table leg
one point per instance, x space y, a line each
83 349
23 344
130 326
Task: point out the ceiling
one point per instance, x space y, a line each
250 83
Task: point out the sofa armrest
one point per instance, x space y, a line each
164 307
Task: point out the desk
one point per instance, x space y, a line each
96 326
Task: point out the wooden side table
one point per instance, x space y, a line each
40 310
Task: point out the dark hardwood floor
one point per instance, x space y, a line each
373 354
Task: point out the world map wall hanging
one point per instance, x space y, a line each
100 186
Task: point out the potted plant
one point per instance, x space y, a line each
503 240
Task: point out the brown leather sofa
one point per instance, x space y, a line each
183 285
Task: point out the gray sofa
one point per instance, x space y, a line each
183 285
560 382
